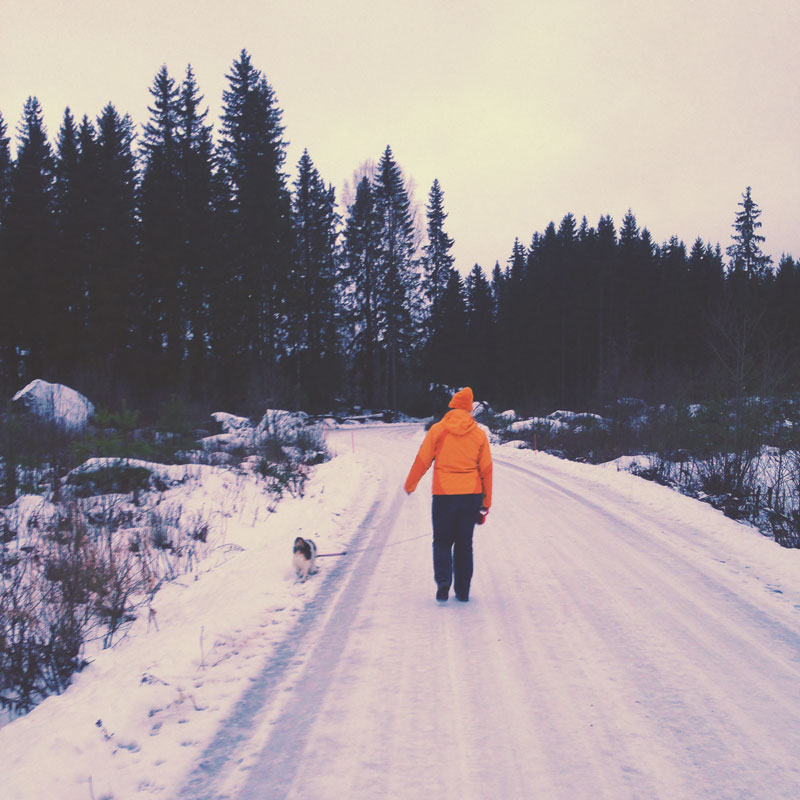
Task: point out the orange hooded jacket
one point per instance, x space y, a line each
460 449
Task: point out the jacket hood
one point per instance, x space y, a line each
463 399
458 421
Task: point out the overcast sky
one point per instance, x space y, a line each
524 111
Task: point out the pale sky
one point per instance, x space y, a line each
524 111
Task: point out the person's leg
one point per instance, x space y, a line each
462 552
443 536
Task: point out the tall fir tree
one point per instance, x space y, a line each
112 280
30 249
252 153
312 329
6 301
162 323
359 290
437 259
200 194
745 253
480 340
5 169
398 314
69 210
451 359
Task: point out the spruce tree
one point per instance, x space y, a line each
451 359
113 278
5 169
161 323
252 153
5 298
69 210
398 315
437 259
359 289
311 331
199 193
29 235
480 342
745 253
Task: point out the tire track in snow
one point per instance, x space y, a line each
711 720
235 732
599 657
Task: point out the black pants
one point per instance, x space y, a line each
453 522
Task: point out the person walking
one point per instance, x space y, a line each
462 491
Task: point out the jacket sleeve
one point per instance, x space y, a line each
423 460
485 471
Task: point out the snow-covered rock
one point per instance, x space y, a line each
55 402
230 422
576 420
278 423
522 425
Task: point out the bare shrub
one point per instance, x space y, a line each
81 575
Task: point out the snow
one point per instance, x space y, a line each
56 402
25 514
622 641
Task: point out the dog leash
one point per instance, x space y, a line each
362 549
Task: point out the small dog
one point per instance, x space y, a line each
304 555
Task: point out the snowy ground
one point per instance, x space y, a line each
622 641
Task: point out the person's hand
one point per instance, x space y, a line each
482 514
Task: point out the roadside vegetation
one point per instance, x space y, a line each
741 456
93 523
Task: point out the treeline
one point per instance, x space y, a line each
184 262
585 315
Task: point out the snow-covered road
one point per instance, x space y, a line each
618 644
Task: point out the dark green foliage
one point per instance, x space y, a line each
311 326
397 312
258 246
745 252
360 292
162 309
29 248
437 261
184 265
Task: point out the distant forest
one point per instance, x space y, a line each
135 267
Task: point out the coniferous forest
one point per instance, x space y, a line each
140 264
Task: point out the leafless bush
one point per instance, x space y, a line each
76 576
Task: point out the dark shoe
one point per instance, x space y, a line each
463 598
442 593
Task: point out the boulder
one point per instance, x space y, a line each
54 402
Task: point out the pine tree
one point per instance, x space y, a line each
199 197
259 227
5 169
398 318
311 333
29 236
745 252
437 259
69 211
480 335
6 302
162 322
358 279
112 280
451 360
